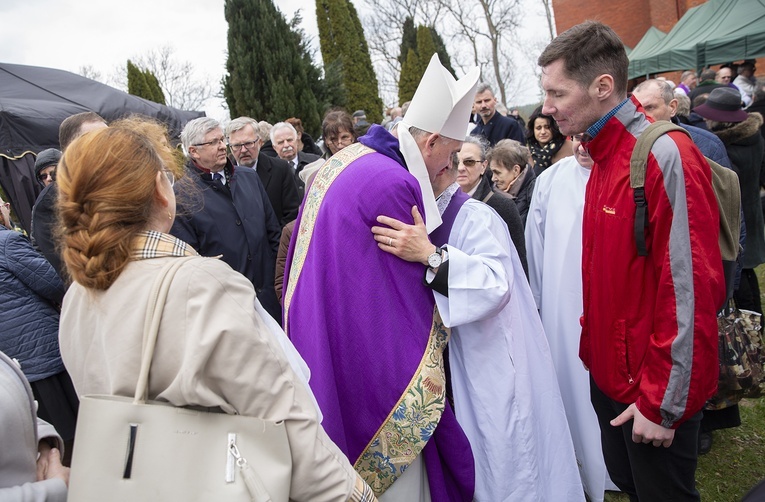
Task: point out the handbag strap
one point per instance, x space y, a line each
156 306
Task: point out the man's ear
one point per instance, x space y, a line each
672 108
193 153
603 87
432 140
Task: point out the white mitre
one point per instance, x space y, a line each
441 105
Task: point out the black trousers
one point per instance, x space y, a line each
645 472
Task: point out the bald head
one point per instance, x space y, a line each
657 98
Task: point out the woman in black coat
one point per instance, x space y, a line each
740 133
471 165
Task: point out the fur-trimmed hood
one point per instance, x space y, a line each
742 130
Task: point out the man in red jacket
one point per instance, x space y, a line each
649 331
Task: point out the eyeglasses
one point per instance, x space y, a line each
344 138
469 162
246 144
170 176
215 142
43 177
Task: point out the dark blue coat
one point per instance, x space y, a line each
235 221
498 128
709 144
30 293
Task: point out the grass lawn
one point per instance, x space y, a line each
737 460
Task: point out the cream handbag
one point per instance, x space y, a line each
144 451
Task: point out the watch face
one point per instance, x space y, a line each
434 260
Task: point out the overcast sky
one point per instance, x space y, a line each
102 34
70 34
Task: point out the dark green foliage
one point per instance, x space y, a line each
408 40
441 50
420 44
345 53
409 78
144 84
156 89
270 74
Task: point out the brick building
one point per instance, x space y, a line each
630 19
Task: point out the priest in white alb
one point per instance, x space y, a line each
504 389
554 253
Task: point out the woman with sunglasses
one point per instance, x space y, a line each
471 165
45 166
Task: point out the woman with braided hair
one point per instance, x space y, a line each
216 346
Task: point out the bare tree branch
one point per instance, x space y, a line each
182 88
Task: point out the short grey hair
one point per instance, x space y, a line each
240 123
481 143
483 87
686 74
708 74
509 153
195 131
683 105
667 94
282 125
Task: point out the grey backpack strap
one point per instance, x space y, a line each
638 163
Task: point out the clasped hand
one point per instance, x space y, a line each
408 242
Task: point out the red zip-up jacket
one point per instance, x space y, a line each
649 328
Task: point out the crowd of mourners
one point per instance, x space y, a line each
440 278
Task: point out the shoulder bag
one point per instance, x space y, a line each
132 449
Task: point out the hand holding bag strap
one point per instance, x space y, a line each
156 306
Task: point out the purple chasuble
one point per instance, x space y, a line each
361 318
440 235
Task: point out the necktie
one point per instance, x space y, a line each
218 177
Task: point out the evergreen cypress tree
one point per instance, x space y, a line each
409 78
144 84
156 90
441 50
342 38
270 76
426 47
137 85
408 40
420 44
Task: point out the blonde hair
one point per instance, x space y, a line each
106 182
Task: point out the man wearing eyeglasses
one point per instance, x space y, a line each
235 219
275 174
45 165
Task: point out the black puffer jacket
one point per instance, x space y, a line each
30 293
744 145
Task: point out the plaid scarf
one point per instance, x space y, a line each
153 244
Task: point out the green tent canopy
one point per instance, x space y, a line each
748 42
714 32
652 37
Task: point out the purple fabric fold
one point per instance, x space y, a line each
359 316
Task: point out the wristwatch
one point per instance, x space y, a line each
435 259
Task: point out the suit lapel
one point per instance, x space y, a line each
264 169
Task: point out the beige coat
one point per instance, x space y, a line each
213 349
